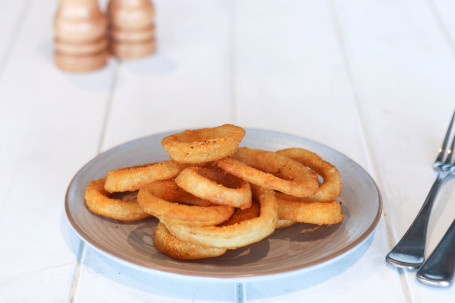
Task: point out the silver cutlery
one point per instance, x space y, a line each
438 269
410 250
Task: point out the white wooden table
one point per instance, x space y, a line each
374 80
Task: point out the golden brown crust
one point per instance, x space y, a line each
203 145
175 248
98 202
283 223
236 235
241 215
319 213
216 186
223 196
134 177
271 170
164 205
331 186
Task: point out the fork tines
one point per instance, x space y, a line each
447 155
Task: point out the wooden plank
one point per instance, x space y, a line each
185 85
403 70
352 278
108 280
292 77
288 56
443 13
50 126
11 18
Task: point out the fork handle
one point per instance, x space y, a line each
410 251
438 270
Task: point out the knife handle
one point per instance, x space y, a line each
438 269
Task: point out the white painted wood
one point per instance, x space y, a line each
357 277
372 80
105 280
291 76
50 126
443 13
11 18
402 67
186 84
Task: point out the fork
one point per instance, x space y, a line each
410 250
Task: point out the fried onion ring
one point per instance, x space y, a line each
175 248
242 215
282 223
158 198
236 235
203 145
331 186
216 186
98 201
134 177
320 213
271 170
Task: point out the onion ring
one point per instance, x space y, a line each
155 198
320 213
236 235
203 145
216 186
283 223
98 202
168 190
175 248
242 215
134 177
331 186
271 170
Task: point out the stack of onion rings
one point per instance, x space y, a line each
214 195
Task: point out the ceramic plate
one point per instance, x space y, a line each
296 248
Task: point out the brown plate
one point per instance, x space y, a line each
288 250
